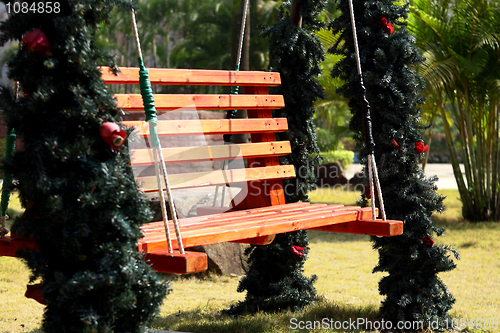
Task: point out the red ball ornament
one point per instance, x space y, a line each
37 41
296 250
113 135
428 241
420 147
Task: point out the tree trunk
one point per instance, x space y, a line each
462 188
429 141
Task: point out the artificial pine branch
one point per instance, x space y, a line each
275 279
412 289
82 203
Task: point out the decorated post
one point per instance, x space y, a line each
412 289
73 175
275 279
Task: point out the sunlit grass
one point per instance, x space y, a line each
14 209
349 196
343 264
17 313
338 195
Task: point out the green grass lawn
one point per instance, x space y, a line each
343 264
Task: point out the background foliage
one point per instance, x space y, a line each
460 41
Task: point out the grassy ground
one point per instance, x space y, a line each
343 264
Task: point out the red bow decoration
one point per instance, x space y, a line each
420 147
296 250
113 135
389 28
396 145
38 42
428 241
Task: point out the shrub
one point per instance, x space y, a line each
344 157
327 141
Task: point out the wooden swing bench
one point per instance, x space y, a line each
259 212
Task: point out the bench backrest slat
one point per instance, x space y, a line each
143 157
211 126
263 173
164 102
219 177
168 76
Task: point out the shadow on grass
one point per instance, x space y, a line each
334 237
448 224
324 313
461 224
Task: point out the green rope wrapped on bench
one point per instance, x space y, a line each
152 119
149 102
146 91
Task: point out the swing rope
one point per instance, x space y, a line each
151 118
235 89
232 113
370 144
10 147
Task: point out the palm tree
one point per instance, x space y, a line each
332 114
461 43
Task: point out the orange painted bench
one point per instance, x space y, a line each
257 213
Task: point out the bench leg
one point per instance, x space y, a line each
177 263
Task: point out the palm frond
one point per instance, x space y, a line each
438 68
327 38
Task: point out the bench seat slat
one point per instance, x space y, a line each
232 215
222 229
163 102
252 218
169 76
211 126
225 230
9 245
219 177
143 157
283 222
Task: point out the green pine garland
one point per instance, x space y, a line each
82 203
275 279
412 289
